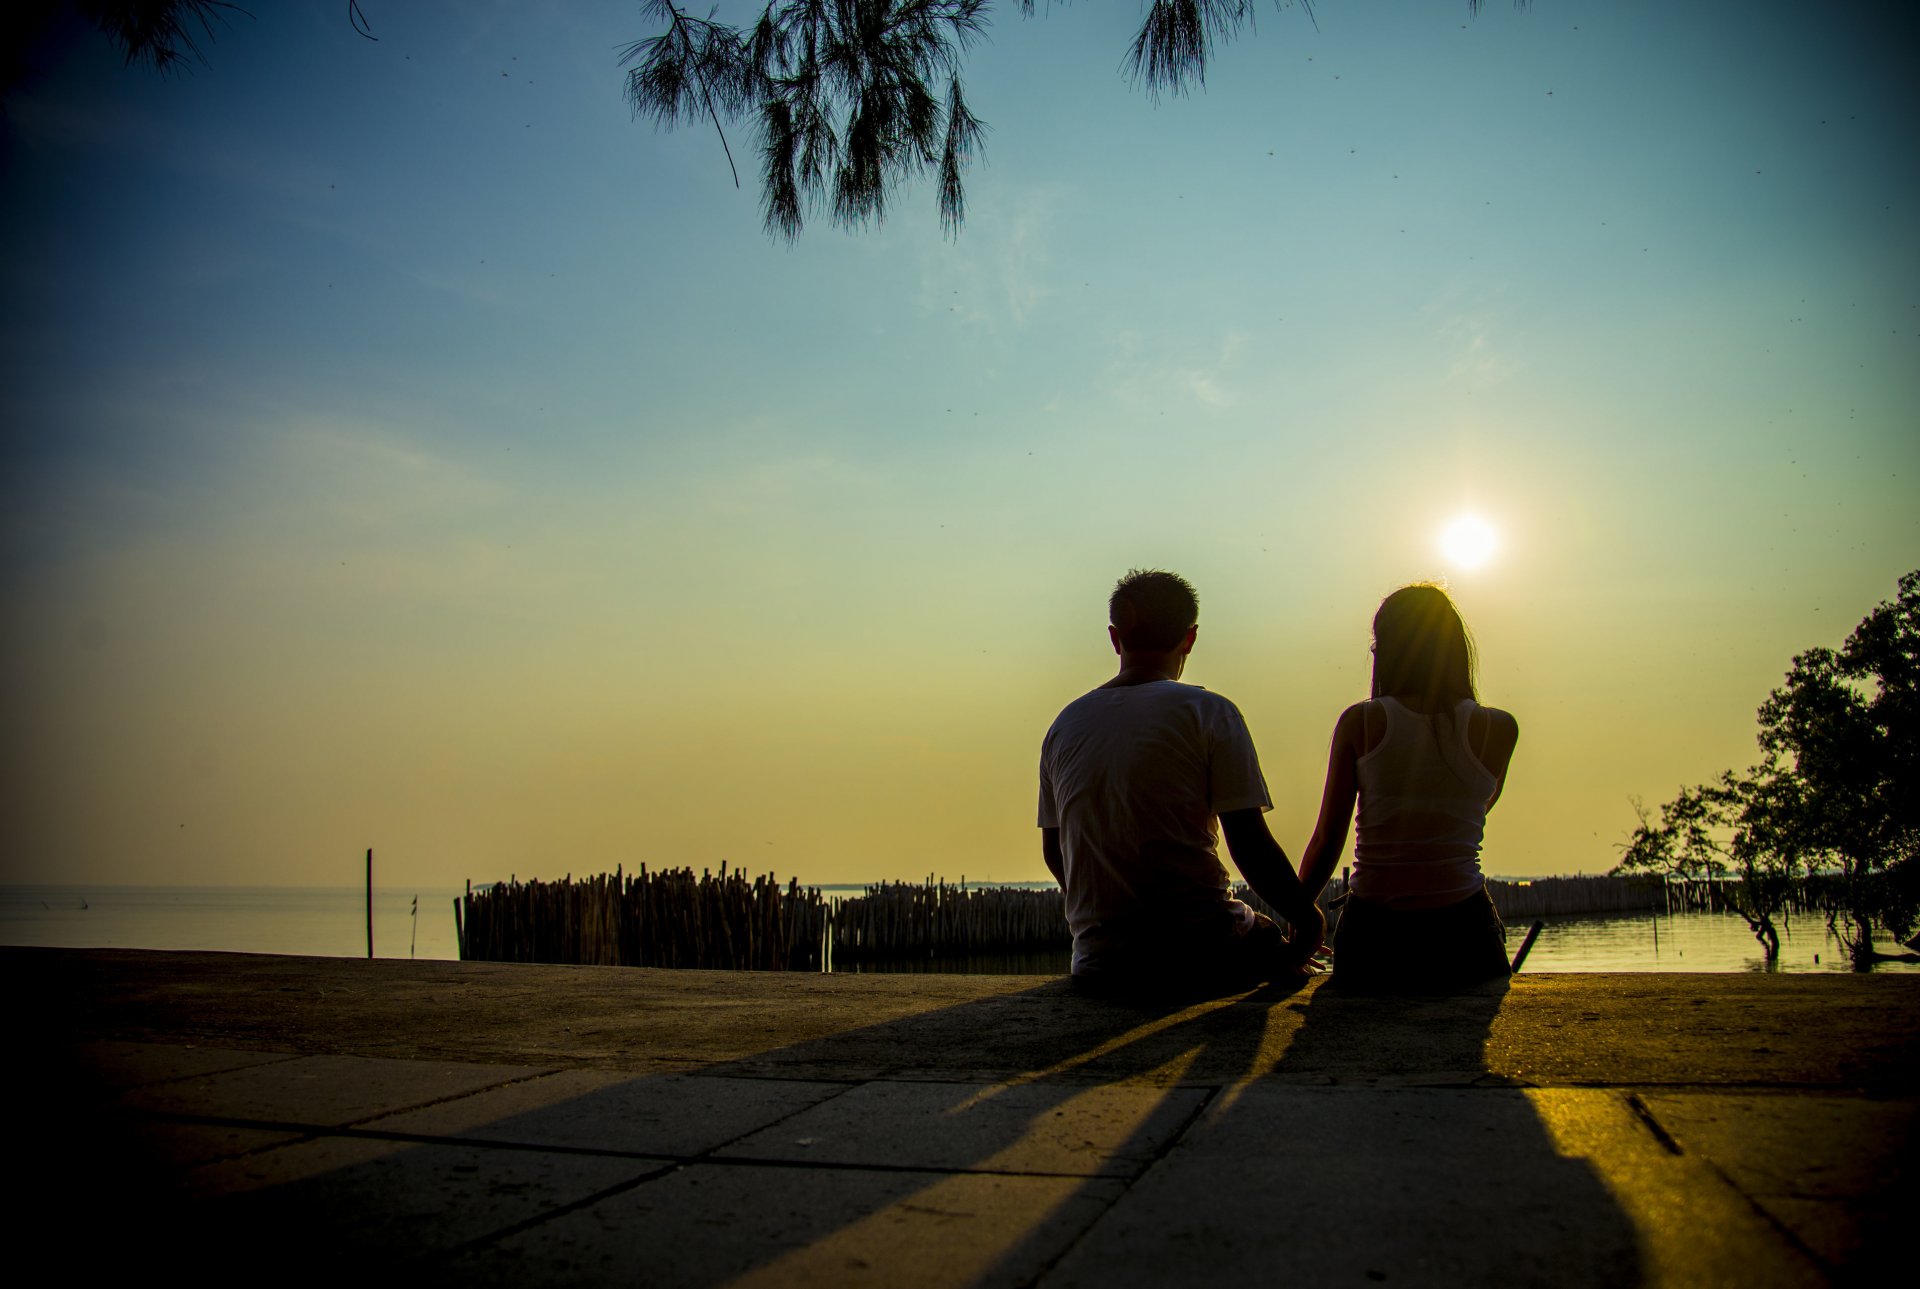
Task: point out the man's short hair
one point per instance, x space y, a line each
1152 609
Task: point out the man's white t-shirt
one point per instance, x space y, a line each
1134 778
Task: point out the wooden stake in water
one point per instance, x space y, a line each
1533 933
369 901
416 926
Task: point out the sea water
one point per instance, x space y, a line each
1686 942
321 921
332 922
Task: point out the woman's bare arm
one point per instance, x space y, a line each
1323 851
1496 753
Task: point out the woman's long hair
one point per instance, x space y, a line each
1421 649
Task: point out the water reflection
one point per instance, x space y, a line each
1718 942
1684 942
331 922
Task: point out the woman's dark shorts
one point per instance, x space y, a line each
1382 949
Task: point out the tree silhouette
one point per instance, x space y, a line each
853 98
850 99
1837 789
165 35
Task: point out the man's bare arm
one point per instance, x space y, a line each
1269 872
1050 851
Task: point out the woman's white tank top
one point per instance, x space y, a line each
1423 810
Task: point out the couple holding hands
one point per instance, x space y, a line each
1134 774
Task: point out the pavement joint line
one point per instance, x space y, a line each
1644 1113
1765 1215
560 1210
1652 1125
797 1110
1066 1077
430 1102
1485 1082
213 1074
313 1132
367 1118
1878 1092
173 1079
306 1132
1126 1186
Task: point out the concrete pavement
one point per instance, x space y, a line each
249 1117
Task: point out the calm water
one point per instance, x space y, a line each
1684 942
328 922
331 922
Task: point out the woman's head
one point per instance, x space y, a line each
1421 649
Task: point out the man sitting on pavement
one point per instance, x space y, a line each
1132 777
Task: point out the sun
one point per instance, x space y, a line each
1468 541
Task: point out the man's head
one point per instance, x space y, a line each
1152 612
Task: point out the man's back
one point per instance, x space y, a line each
1133 775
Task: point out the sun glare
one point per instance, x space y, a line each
1468 541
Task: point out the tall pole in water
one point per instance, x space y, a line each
369 901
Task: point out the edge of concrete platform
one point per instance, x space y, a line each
1735 1030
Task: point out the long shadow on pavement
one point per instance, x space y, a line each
1035 1136
1373 1146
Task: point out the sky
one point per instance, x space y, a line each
405 448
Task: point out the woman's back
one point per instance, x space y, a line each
1424 784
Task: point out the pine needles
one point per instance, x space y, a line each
854 98
160 33
841 91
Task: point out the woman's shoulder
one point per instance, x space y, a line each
1497 718
1361 726
1360 715
1493 732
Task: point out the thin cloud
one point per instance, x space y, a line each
1000 270
1140 376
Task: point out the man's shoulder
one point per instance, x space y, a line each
1199 699
1090 708
1211 698
1161 700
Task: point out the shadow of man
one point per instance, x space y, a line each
1032 1136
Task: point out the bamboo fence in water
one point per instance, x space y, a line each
900 920
1547 897
674 918
666 919
1519 901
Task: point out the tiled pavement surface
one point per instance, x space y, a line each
275 1119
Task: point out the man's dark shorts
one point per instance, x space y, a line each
1221 965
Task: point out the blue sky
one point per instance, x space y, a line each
407 448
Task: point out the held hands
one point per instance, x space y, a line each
1307 951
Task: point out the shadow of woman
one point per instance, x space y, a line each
1369 1143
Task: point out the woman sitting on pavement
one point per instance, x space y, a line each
1426 762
